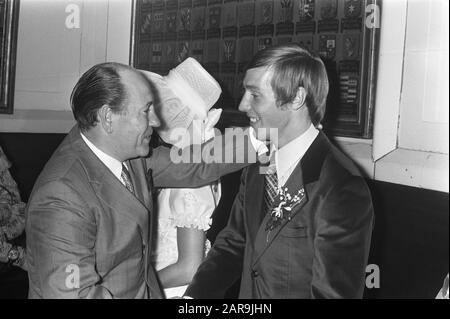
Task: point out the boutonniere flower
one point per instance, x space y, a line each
284 204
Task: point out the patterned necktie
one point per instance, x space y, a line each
271 187
127 179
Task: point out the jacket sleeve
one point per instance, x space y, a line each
224 262
61 234
199 165
342 242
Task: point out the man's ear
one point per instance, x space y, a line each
300 99
105 115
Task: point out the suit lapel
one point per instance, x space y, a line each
306 172
109 189
139 180
121 201
254 200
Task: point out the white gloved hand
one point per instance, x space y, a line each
209 123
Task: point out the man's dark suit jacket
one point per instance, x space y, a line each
320 253
82 221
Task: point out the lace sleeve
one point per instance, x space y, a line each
12 209
193 207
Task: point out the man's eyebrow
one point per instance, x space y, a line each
251 87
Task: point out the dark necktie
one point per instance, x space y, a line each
271 187
150 185
127 179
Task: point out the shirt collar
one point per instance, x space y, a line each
114 165
287 157
290 154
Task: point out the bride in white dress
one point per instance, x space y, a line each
184 215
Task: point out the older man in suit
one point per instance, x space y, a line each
300 228
90 214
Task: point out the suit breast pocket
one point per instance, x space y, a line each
294 232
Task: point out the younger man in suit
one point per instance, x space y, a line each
300 228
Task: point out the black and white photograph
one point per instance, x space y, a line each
248 152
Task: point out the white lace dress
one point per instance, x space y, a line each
181 207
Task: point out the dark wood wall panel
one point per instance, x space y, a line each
223 35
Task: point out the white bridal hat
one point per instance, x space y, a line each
188 92
193 85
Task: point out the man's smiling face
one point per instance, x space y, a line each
260 105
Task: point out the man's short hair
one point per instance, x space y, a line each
292 67
98 86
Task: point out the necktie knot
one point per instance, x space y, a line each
127 179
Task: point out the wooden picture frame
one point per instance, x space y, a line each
9 16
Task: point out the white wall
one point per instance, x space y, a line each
51 57
424 105
421 154
410 144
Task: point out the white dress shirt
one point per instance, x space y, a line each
115 166
287 157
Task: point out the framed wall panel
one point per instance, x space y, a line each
224 34
9 14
